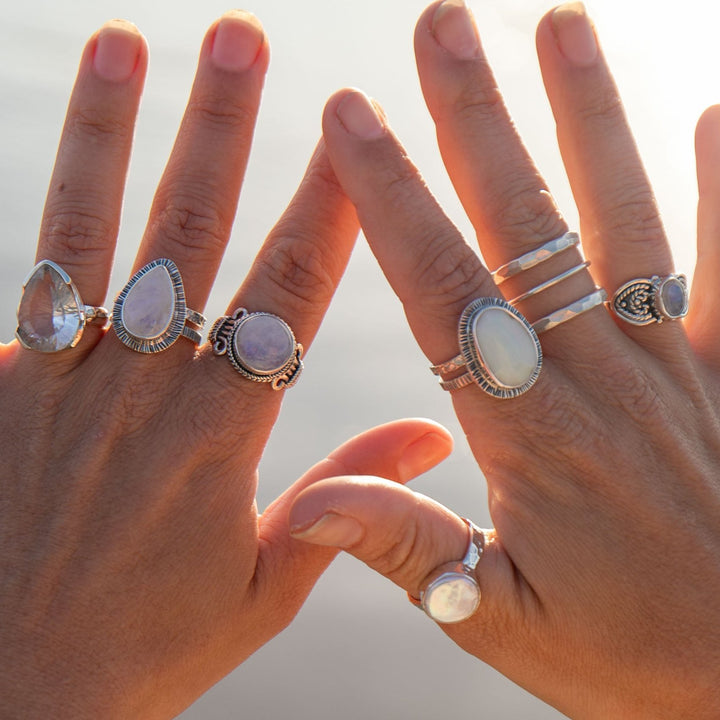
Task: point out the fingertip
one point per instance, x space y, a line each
707 149
425 453
237 42
118 51
356 113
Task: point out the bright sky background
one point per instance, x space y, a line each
356 638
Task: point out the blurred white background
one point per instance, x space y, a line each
357 649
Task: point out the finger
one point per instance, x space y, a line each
621 226
294 277
405 536
502 191
431 268
702 318
398 450
82 211
195 203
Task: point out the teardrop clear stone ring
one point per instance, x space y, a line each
51 314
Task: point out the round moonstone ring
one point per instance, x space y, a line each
51 314
642 301
150 313
260 346
498 347
451 593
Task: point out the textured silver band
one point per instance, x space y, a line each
570 311
552 281
535 257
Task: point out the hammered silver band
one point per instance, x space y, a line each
551 282
642 301
451 593
535 257
598 297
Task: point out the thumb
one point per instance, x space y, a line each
405 536
287 568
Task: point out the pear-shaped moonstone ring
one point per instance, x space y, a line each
51 314
451 593
498 347
150 313
260 346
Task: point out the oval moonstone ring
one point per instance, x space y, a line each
451 593
642 301
260 346
51 314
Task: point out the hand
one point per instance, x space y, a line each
600 580
135 571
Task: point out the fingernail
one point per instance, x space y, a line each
117 50
359 116
575 34
454 28
237 42
331 529
423 454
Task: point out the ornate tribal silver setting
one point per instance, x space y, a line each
642 301
150 313
260 346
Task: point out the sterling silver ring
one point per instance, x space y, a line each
498 347
451 592
150 313
51 314
598 297
535 257
642 301
260 346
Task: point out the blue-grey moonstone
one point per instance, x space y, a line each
673 297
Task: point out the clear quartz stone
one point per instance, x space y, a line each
50 317
264 344
451 598
149 305
506 347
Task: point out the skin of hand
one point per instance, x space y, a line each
601 579
135 571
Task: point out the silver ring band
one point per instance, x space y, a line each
570 311
535 257
549 283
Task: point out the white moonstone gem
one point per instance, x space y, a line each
451 598
49 316
149 305
264 344
505 346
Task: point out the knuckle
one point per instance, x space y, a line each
77 234
221 112
605 108
94 126
397 558
637 393
526 211
635 217
191 223
479 99
451 270
299 270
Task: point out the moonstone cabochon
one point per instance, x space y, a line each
672 297
500 348
263 343
51 314
149 313
451 598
